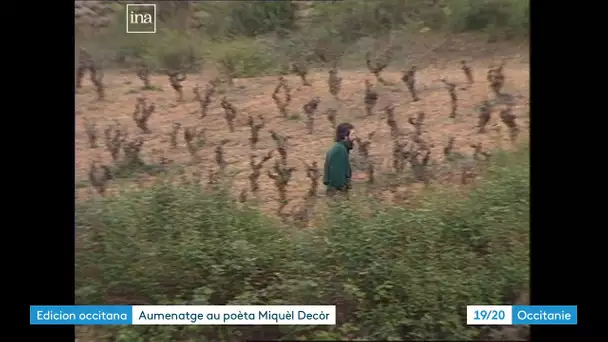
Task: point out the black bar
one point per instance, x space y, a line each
559 212
47 214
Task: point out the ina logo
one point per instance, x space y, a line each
141 18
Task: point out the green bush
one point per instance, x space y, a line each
508 18
248 57
393 273
251 19
171 49
353 20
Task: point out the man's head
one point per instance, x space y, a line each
345 132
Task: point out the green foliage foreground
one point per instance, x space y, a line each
396 273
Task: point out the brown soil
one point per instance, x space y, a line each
253 97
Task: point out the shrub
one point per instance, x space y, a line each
250 58
394 273
353 20
255 18
508 18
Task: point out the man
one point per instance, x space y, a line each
337 172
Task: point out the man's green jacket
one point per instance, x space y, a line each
337 172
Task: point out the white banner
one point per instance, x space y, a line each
234 315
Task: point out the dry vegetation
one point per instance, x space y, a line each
428 121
